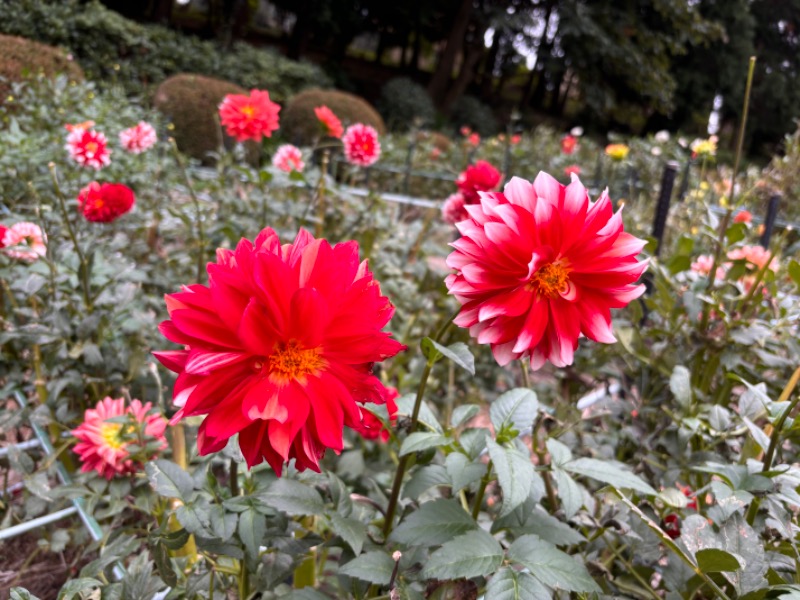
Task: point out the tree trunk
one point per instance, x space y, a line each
300 33
414 65
381 48
465 76
440 81
487 73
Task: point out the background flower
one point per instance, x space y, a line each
24 241
288 158
480 177
453 209
249 117
361 145
88 148
105 202
328 118
138 138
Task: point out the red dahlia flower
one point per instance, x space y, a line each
279 348
453 209
572 170
249 117
333 126
87 147
568 144
361 145
372 427
743 216
103 445
480 177
516 139
3 230
105 202
539 264
474 139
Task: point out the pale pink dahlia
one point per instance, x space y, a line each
103 444
540 264
138 138
288 158
24 241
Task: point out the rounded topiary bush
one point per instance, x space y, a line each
191 102
21 58
299 124
404 101
468 110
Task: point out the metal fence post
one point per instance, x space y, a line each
685 179
664 198
769 220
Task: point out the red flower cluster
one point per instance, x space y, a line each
249 117
538 265
105 202
480 177
332 124
279 348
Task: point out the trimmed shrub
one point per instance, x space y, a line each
403 101
468 110
113 49
191 102
299 124
21 58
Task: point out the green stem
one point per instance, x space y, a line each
201 235
84 268
775 438
476 508
234 478
244 580
541 454
670 543
323 172
646 587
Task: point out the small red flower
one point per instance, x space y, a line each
572 170
104 446
687 491
105 202
474 139
540 264
671 524
3 230
516 139
333 126
361 145
88 148
568 144
138 138
480 177
453 209
465 130
279 348
743 216
372 427
288 158
435 153
249 117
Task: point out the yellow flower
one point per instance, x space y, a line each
705 147
617 152
704 185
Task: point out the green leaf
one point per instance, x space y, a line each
405 407
373 567
252 529
293 498
680 385
514 474
761 438
736 233
794 272
508 584
19 593
160 555
424 479
471 555
550 529
459 353
569 492
559 453
462 470
422 440
75 587
169 480
352 531
462 414
608 472
551 566
516 409
714 560
434 523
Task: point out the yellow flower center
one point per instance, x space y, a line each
91 147
248 111
550 280
112 435
291 361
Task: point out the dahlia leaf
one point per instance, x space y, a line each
514 474
459 353
514 410
608 473
293 498
462 414
714 560
551 566
252 528
76 587
373 567
463 471
569 492
352 531
434 523
19 593
169 479
559 453
424 479
680 384
794 272
422 440
508 584
473 554
405 407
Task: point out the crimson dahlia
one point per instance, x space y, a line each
105 202
279 348
480 177
540 264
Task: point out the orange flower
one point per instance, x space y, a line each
331 122
249 117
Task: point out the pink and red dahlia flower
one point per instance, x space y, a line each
332 124
572 170
279 348
103 445
516 139
743 216
372 427
540 264
24 241
480 177
288 158
568 144
138 138
249 117
88 147
474 140
703 264
453 209
105 202
361 145
755 255
3 230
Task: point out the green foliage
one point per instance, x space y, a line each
404 104
22 58
470 111
300 125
